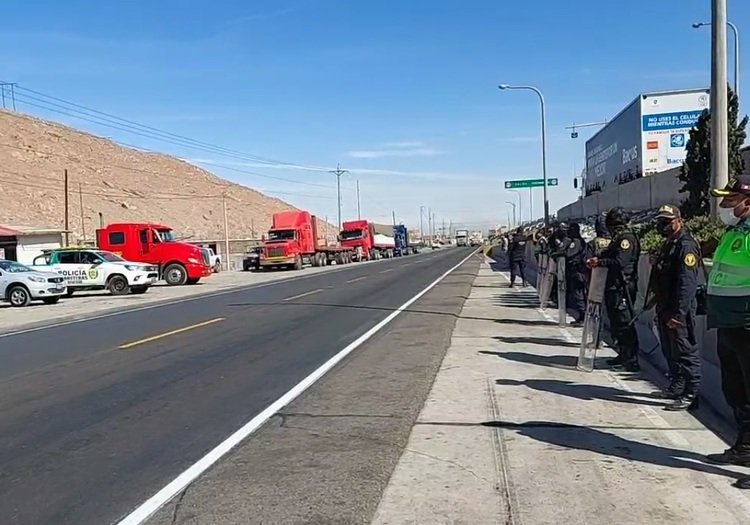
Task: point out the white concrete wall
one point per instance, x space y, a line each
31 246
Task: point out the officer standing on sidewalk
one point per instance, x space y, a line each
729 312
575 273
621 260
598 244
517 258
675 282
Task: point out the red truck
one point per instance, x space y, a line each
293 241
368 240
179 262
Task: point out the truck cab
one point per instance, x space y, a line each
90 269
357 235
178 262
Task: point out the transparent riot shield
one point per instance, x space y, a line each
546 285
592 322
562 311
540 269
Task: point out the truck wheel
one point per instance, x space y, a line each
118 285
175 275
316 260
217 267
298 263
137 290
19 296
51 300
193 281
69 293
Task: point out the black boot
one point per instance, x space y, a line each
686 401
673 391
737 454
629 365
616 361
743 483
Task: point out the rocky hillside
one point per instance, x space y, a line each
120 183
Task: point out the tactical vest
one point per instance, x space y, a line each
729 282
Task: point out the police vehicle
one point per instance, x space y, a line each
91 269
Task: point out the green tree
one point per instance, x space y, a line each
695 173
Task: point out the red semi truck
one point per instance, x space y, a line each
293 242
369 241
179 262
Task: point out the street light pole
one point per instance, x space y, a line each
421 224
544 142
736 52
338 172
514 212
719 110
520 206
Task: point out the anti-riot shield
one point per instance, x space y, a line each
562 311
540 269
592 321
547 280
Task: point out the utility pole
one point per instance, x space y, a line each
421 223
67 217
719 116
442 230
338 172
359 209
434 224
226 229
394 217
80 200
429 221
252 228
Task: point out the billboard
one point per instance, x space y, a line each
666 121
614 152
648 136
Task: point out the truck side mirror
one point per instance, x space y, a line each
575 183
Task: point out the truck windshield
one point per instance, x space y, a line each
14 267
110 257
281 235
166 235
349 235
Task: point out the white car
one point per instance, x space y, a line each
215 260
19 284
91 269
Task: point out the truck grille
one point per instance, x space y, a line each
206 257
55 280
276 252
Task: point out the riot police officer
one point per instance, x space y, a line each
621 260
517 258
728 312
598 244
674 283
575 273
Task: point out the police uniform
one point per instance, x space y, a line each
621 260
575 273
674 281
729 312
517 258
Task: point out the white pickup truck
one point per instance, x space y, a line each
91 269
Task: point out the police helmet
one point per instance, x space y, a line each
616 217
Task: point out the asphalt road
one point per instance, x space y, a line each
99 415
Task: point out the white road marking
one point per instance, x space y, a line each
386 271
303 294
177 485
355 280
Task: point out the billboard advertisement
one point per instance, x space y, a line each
614 152
648 136
666 121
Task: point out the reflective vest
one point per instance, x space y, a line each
729 282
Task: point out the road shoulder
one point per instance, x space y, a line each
327 457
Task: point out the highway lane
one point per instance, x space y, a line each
91 429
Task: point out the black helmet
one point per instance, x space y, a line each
574 229
600 227
563 226
616 217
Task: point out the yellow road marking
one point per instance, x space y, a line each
303 294
355 280
167 334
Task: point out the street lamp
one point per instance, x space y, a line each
544 142
514 212
520 207
734 29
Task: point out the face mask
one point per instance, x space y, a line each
728 217
664 228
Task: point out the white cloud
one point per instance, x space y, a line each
402 153
405 144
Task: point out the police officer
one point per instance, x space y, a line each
517 258
728 311
598 244
621 260
674 283
575 273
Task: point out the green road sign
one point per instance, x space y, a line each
528 183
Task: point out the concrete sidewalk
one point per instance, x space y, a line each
512 433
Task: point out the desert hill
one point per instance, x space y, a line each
120 183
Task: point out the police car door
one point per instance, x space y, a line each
93 266
76 272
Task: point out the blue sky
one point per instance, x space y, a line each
401 93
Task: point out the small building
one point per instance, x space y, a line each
24 243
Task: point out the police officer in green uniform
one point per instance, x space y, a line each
621 260
598 244
729 312
674 283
